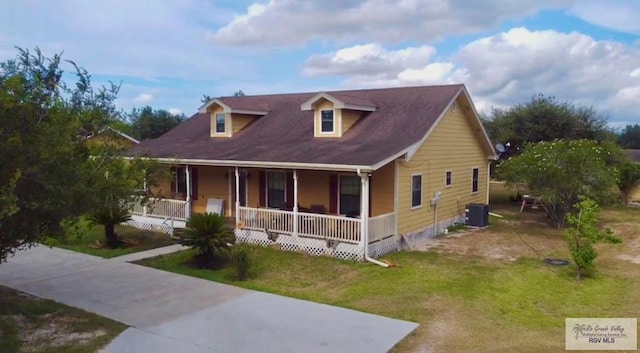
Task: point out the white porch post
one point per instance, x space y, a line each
230 205
144 207
295 202
364 211
187 174
237 196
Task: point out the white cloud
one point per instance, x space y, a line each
175 111
368 59
144 98
619 15
507 68
291 23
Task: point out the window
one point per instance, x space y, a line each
220 128
447 178
276 190
180 181
416 190
326 121
474 180
349 196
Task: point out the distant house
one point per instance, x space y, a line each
111 135
345 173
634 155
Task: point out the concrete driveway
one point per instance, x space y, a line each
169 312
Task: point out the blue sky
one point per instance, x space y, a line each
167 54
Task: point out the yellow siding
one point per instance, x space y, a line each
239 121
313 188
349 117
454 146
634 195
382 189
212 183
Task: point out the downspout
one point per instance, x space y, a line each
364 215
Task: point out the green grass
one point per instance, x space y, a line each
526 295
31 324
87 238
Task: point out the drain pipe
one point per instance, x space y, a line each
364 217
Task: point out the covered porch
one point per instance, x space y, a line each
327 209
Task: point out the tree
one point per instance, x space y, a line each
43 121
545 118
208 234
205 98
629 178
630 137
147 123
563 170
582 232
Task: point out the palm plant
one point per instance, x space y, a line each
209 234
109 217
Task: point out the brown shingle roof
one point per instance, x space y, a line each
402 118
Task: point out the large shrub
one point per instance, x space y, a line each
560 171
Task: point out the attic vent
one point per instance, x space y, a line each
453 107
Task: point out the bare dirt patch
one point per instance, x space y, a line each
493 245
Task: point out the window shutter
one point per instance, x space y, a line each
262 189
194 183
289 191
370 193
173 181
333 194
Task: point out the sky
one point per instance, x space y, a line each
168 54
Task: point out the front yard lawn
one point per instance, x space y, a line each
91 239
31 324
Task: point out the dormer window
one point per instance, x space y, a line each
327 124
220 123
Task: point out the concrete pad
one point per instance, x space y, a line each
176 313
262 322
132 294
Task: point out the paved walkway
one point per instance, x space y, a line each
169 312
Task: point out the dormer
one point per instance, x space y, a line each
334 114
228 118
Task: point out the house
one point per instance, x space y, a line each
346 173
634 194
112 136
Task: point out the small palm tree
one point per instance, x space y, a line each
209 234
109 217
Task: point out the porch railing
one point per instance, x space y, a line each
327 226
309 224
162 208
382 226
266 218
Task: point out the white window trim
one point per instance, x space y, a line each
215 128
266 186
472 169
421 191
333 128
338 189
445 178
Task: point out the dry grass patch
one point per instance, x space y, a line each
31 324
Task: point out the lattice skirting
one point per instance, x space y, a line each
384 246
411 239
317 247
